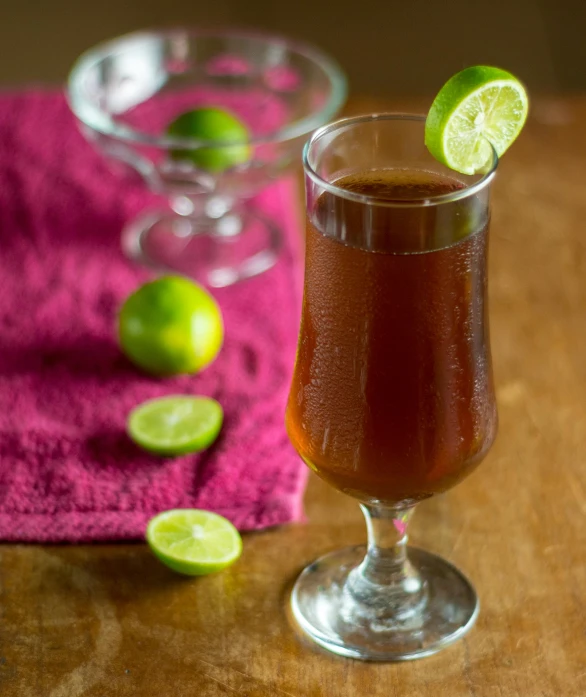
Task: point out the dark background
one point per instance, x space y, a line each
387 47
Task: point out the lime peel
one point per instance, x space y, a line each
212 125
171 326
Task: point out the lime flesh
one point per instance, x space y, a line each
176 425
478 109
193 542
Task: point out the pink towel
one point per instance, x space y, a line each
68 472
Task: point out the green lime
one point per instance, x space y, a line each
193 542
477 107
216 125
171 326
176 425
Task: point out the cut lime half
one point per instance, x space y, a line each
176 425
193 542
478 109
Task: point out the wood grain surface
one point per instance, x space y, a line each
110 621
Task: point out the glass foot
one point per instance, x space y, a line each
216 253
327 610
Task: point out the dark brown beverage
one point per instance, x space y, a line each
392 397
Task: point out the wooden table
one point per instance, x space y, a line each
111 621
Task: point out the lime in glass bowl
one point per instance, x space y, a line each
129 95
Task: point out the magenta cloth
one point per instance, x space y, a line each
68 472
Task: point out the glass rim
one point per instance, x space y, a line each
333 188
102 122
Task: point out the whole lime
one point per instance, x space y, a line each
170 326
215 125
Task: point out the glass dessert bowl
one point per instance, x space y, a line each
126 93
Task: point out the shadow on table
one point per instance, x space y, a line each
126 572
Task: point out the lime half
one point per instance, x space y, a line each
193 542
176 425
478 107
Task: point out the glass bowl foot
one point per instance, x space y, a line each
216 253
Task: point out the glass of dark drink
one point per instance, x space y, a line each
392 399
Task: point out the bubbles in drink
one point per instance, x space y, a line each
392 396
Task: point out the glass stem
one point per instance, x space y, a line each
386 578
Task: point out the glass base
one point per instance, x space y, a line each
217 253
325 609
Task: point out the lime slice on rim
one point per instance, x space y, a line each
193 542
477 107
175 425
